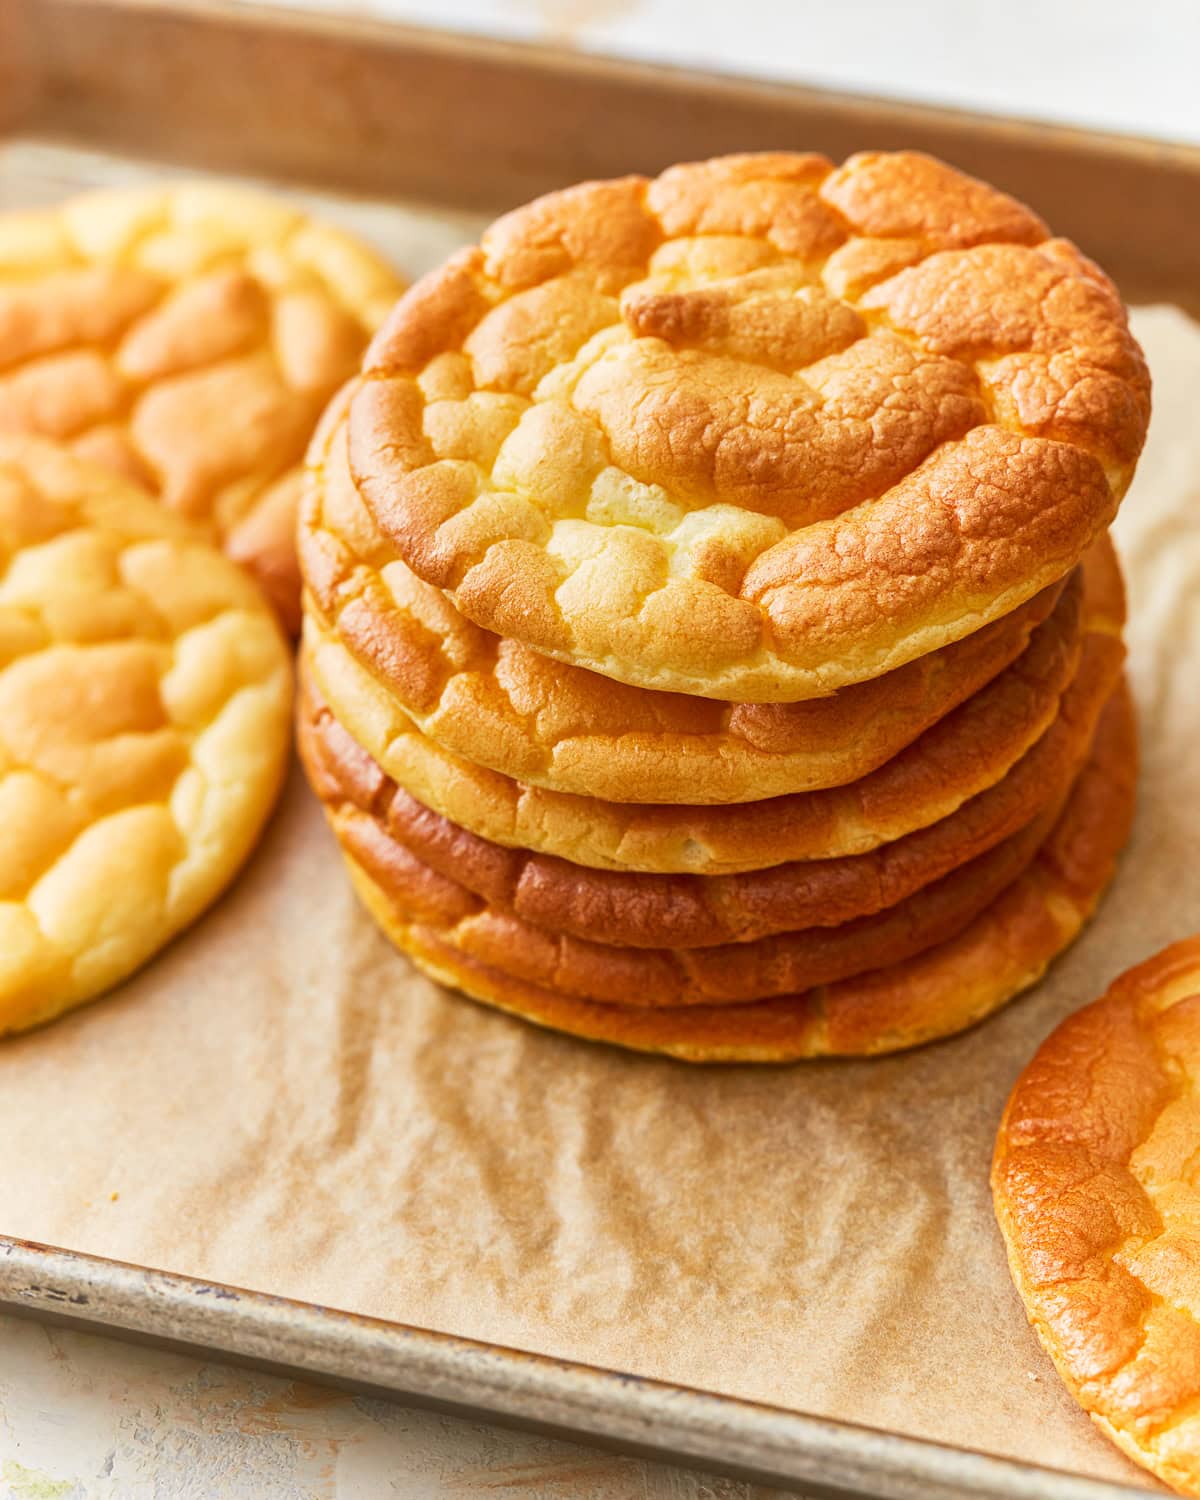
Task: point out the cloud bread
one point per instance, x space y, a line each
1095 1189
725 974
356 801
757 429
145 695
188 336
971 750
499 704
695 911
1004 951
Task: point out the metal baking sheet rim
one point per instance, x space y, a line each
742 1438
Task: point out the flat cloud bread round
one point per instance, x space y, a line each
1095 1189
145 704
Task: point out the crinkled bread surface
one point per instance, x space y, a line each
1097 1194
188 336
1011 731
497 703
145 702
937 991
756 429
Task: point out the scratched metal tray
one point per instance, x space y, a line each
375 111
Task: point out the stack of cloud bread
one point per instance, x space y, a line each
173 344
712 640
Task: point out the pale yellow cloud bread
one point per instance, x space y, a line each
188 336
756 429
145 701
1098 1196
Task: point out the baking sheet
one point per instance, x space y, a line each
281 1103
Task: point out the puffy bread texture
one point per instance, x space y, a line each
756 429
188 336
500 704
145 699
968 752
1096 1193
942 990
696 911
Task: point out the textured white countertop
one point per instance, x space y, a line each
84 1418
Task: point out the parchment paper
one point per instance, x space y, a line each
281 1102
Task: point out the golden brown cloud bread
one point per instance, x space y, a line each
728 974
706 434
188 336
1095 1183
145 695
357 797
1004 951
499 704
689 911
970 751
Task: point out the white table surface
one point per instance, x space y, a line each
86 1418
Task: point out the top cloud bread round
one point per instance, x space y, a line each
754 430
497 703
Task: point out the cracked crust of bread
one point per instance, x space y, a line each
757 429
1096 1193
933 993
188 336
502 705
145 700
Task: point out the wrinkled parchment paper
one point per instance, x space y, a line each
281 1102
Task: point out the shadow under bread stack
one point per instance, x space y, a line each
712 639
